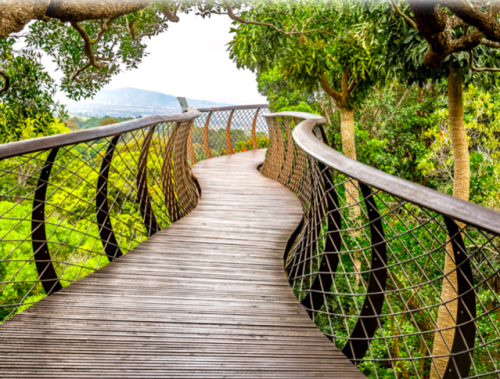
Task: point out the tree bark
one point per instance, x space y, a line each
349 148
447 312
15 14
458 136
347 132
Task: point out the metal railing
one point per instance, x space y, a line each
404 279
228 130
71 203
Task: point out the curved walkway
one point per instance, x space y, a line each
204 298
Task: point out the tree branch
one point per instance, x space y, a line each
432 23
89 52
351 87
330 91
131 29
77 10
494 45
94 61
485 23
232 16
494 8
15 14
405 17
479 69
169 15
467 42
77 73
104 28
6 85
456 22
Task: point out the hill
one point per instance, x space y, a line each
133 102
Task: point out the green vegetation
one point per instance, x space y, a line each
407 87
72 229
389 78
94 122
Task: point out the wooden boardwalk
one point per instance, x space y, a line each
204 298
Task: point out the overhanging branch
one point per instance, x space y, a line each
234 17
330 91
480 69
485 23
169 15
405 17
486 42
89 52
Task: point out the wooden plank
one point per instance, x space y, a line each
206 297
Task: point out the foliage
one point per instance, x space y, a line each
280 94
262 143
28 103
482 123
93 122
108 121
337 36
117 48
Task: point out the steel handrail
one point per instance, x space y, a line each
461 210
50 142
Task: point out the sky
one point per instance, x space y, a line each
191 60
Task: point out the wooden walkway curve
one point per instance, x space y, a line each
204 298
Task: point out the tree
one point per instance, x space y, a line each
29 96
92 40
454 38
332 45
280 95
108 121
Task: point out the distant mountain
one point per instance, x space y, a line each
133 102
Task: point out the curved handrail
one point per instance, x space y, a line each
72 202
319 120
461 210
50 142
394 272
233 107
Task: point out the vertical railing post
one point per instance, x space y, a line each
192 155
148 215
170 199
465 333
206 143
315 298
368 322
108 239
254 134
46 271
228 134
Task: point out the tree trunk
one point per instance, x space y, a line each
448 312
349 149
351 187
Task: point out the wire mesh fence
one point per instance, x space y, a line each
68 208
223 131
402 289
71 209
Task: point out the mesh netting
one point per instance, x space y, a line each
404 291
68 211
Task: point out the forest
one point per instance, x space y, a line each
408 87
